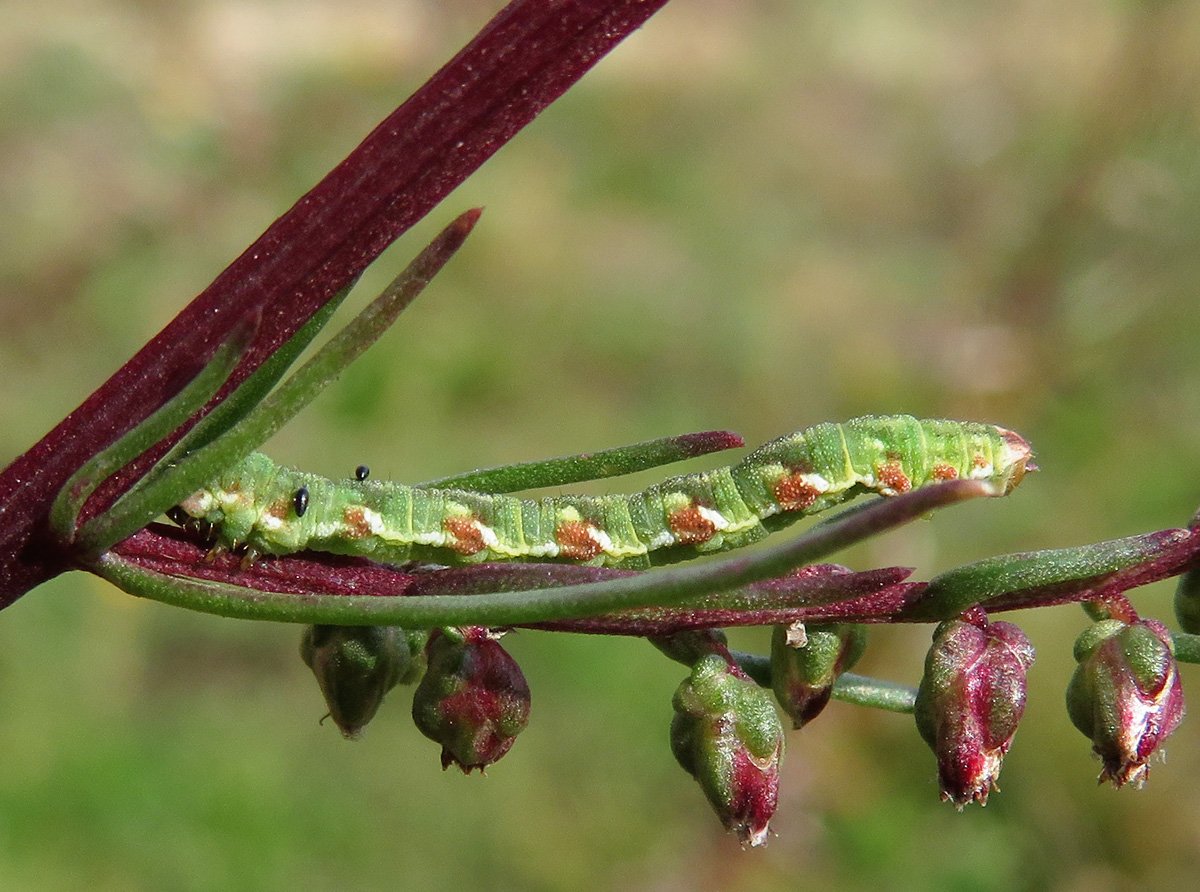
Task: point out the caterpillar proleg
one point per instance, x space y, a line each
267 509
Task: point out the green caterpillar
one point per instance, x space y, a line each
261 508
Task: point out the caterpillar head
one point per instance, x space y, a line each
1015 459
231 515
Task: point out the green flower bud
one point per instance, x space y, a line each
473 700
969 703
1187 601
1125 695
803 676
355 666
727 735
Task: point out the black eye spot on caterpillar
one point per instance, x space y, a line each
362 472
730 507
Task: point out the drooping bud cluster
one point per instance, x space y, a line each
473 700
727 735
1125 695
803 673
970 701
355 666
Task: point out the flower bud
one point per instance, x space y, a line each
970 702
1187 601
356 665
727 735
803 676
1125 695
473 700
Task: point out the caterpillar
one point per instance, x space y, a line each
261 508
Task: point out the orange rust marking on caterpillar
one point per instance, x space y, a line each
943 471
794 493
980 460
892 476
357 525
468 537
575 540
690 526
280 509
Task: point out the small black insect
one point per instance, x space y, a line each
362 472
300 501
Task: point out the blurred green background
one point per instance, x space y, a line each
754 215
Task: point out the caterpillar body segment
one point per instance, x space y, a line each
267 509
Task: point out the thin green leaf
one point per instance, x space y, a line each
70 501
191 463
254 389
252 418
173 477
323 368
589 466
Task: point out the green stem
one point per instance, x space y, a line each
874 692
660 587
859 690
955 591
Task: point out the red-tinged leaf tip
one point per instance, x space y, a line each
456 233
706 442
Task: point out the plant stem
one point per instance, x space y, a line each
859 690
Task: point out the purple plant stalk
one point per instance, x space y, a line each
522 60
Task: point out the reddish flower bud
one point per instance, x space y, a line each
1125 695
355 666
970 702
727 735
802 674
473 700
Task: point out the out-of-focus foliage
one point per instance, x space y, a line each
753 215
